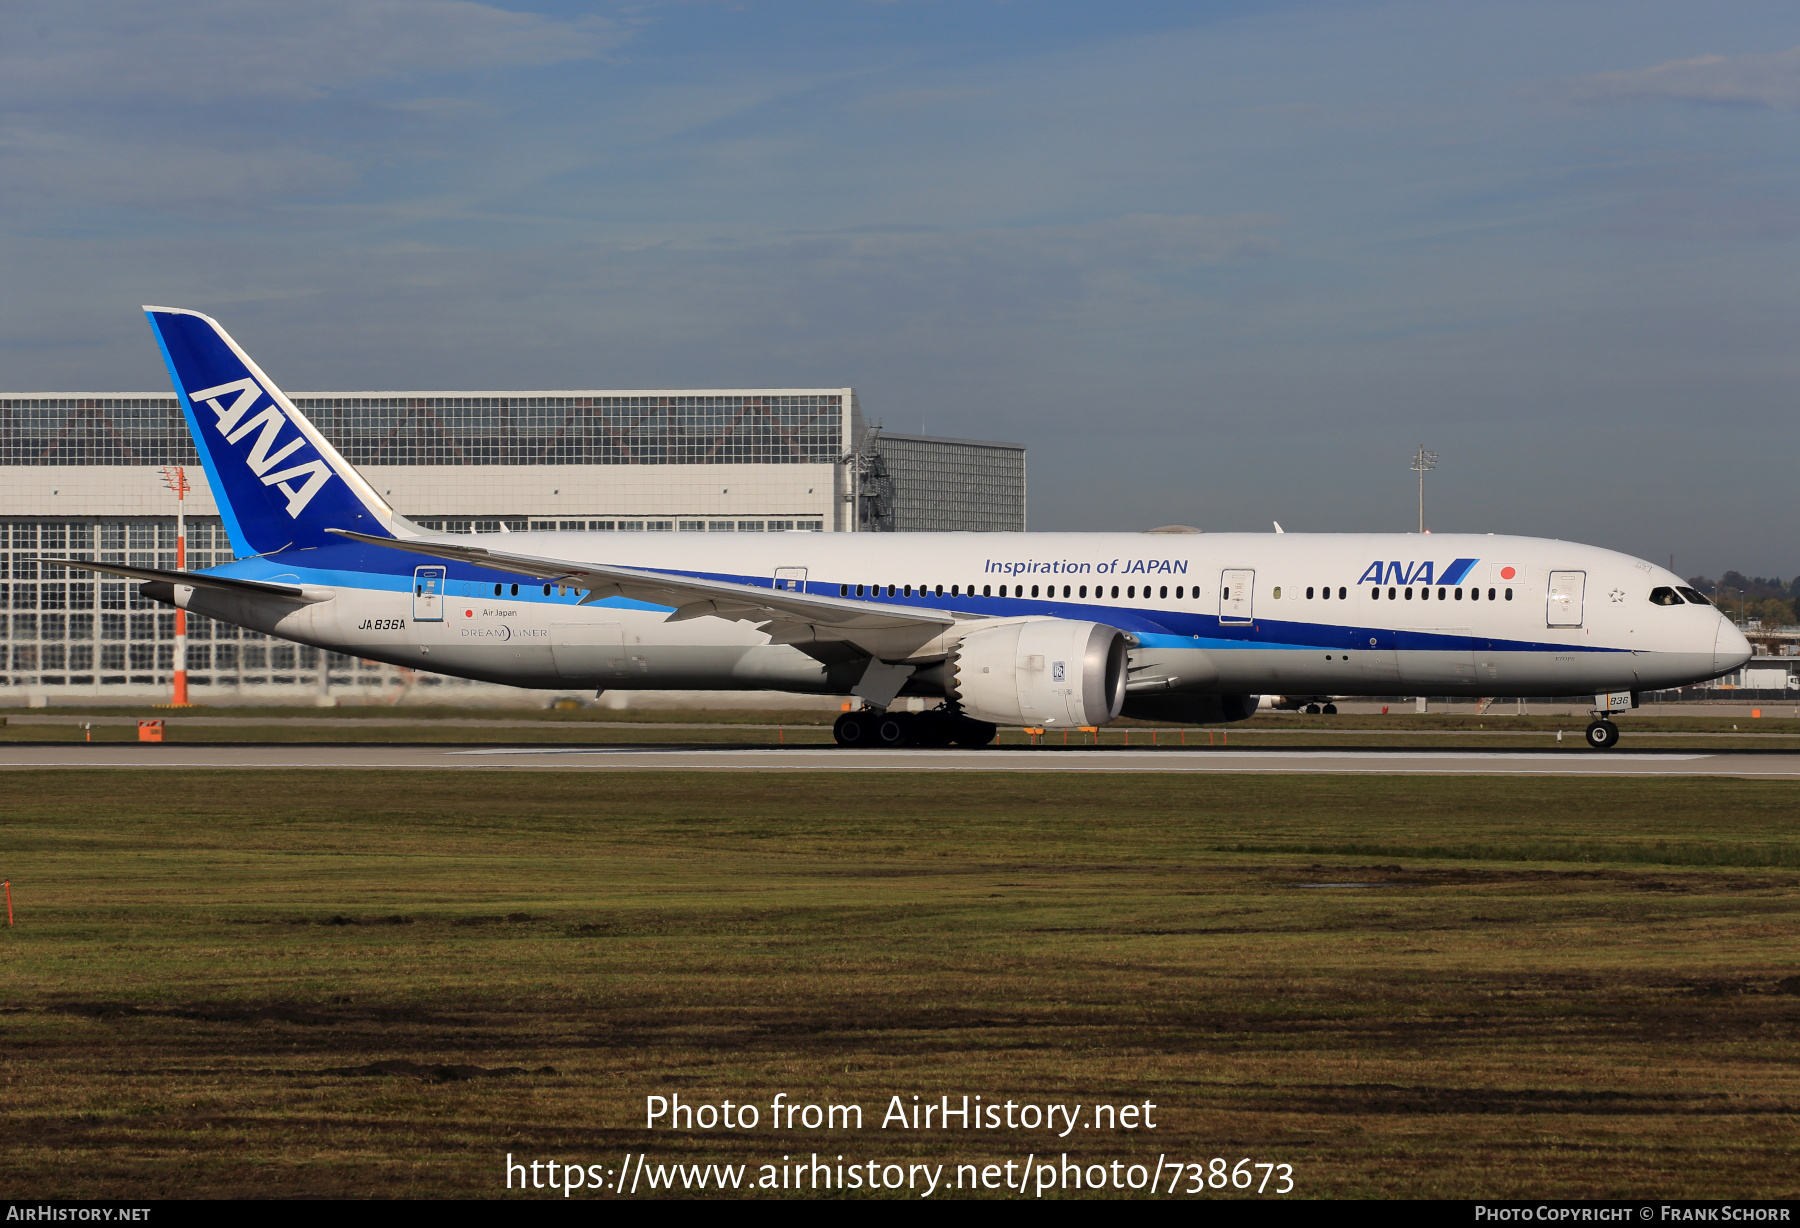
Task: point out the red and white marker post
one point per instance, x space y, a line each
175 478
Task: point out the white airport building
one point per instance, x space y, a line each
82 476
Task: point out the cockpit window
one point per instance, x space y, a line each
1664 596
1692 596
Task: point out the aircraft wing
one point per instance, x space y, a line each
799 617
199 579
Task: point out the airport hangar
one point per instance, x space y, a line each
84 478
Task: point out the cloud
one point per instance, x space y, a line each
1764 79
95 172
200 51
203 107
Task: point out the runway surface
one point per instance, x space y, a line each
1765 764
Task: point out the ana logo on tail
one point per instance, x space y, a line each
236 422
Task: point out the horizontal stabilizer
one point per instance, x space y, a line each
306 595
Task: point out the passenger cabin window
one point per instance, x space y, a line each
1309 594
1409 594
1115 590
1341 592
987 590
1459 594
1508 594
1692 596
1664 596
1178 589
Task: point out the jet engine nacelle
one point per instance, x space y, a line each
1049 671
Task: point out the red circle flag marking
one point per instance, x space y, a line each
1507 573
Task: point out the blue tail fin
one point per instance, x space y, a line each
278 482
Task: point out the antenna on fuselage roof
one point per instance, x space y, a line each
1278 527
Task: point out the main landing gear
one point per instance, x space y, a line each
1602 735
939 727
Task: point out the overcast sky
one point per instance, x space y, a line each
1217 264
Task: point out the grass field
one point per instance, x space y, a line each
1540 986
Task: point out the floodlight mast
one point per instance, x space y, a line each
1423 462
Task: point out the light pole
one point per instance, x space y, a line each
175 478
1423 462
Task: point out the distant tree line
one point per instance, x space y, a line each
1769 598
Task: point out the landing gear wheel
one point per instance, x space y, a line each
1330 709
972 733
894 730
1602 735
933 729
854 729
1312 709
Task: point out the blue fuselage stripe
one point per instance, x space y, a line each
373 568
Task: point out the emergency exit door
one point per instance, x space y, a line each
1566 592
428 595
1237 596
790 579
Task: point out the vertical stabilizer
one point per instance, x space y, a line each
278 481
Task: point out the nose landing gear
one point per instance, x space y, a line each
1602 735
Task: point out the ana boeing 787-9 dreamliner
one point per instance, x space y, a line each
1039 629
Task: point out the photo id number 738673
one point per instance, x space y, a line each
1221 1174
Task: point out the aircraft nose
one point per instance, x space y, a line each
1730 648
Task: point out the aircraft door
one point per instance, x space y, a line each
1566 592
790 579
428 595
1237 596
